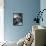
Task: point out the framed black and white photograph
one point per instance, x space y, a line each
18 19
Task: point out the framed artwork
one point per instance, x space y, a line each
17 19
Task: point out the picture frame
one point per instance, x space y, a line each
17 19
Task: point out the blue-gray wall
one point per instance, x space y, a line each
28 8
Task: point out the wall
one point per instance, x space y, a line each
1 20
43 6
28 8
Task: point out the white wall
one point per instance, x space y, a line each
1 20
